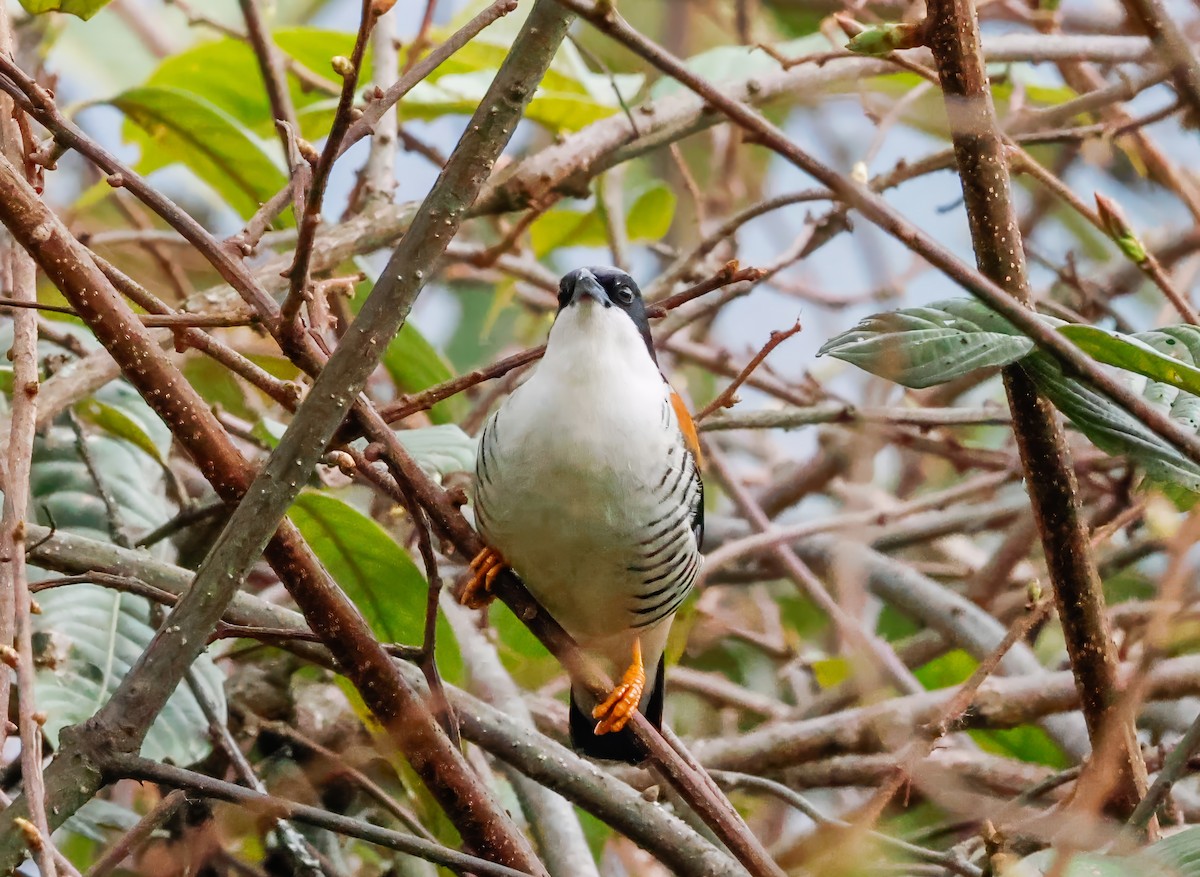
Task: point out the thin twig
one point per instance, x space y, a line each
727 398
949 861
270 64
128 843
378 179
349 70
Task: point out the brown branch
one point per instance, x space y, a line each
286 393
16 604
120 766
953 34
349 70
1173 47
862 641
270 64
951 717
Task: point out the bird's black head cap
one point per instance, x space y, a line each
609 288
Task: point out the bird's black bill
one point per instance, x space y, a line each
587 286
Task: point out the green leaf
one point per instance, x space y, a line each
174 126
1110 427
218 386
225 73
522 653
650 216
923 347
377 574
116 422
1027 743
460 94
830 671
439 449
1080 865
84 9
1132 353
62 486
919 347
1175 856
649 220
414 365
99 819
268 431
1180 852
86 639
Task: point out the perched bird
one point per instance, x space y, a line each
588 486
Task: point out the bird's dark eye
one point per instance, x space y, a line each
624 295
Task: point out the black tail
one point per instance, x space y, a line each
621 745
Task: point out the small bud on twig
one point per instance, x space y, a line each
1118 228
307 151
887 38
342 66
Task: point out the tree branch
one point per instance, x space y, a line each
952 32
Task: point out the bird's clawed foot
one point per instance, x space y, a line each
485 566
621 702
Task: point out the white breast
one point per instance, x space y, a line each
569 466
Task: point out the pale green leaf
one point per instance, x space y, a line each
174 126
648 220
116 422
84 9
923 347
1180 852
1110 427
86 639
378 575
414 365
1133 354
441 449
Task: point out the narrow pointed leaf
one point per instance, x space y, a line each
923 347
378 575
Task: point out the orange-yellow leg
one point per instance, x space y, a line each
620 704
485 566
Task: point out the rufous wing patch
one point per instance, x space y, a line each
687 426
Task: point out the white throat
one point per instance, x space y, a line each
592 344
